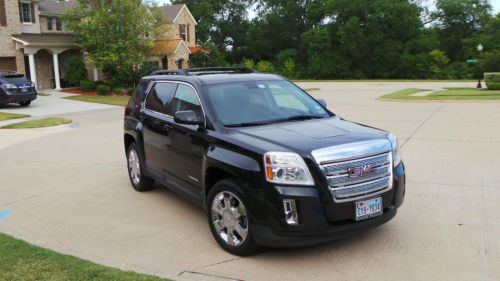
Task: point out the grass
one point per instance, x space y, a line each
43 94
9 116
38 123
22 261
112 100
446 94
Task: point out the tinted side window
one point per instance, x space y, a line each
186 99
160 97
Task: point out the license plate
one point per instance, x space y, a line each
368 208
24 90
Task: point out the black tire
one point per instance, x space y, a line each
140 183
248 246
25 103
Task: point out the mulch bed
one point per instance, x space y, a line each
93 93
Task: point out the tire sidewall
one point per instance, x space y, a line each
141 185
230 185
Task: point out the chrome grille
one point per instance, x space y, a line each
373 176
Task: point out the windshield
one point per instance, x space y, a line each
262 102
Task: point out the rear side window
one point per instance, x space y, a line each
186 99
160 97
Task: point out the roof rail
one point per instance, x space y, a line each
203 71
170 72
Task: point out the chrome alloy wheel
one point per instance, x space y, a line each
229 218
134 166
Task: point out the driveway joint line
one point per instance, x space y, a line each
452 184
211 275
422 124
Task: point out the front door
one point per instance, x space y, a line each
188 142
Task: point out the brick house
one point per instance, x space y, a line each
35 41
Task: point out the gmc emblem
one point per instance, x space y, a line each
360 171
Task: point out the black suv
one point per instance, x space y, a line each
271 165
16 88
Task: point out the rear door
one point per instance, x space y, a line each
156 118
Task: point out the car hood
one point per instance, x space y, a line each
305 136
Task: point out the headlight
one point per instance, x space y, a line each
287 168
9 86
396 156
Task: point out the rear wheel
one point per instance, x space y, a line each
229 219
136 170
25 103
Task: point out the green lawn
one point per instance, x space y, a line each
38 123
311 89
112 100
446 94
8 116
22 261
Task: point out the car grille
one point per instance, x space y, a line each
355 179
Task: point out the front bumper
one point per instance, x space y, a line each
7 97
320 219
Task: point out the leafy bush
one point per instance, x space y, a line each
87 86
103 90
288 69
248 63
75 71
118 90
265 66
130 91
492 80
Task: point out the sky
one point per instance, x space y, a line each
494 3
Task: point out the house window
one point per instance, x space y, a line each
26 12
58 24
49 23
183 31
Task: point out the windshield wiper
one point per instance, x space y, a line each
260 123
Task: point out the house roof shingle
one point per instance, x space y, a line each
56 7
46 38
171 11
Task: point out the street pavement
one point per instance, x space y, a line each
69 192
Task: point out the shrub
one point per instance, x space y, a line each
130 91
103 90
87 86
265 66
75 71
492 80
248 63
118 90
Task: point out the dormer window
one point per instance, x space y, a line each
49 23
183 32
58 24
26 13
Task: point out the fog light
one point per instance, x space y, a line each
291 215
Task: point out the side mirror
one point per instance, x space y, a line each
188 117
322 102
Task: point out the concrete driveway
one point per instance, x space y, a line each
69 192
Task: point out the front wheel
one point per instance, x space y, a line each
25 103
136 171
229 219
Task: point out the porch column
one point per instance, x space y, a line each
31 58
56 71
96 74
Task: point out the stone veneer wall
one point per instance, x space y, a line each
7 45
44 69
184 18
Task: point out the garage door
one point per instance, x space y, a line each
8 63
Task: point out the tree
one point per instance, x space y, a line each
116 34
458 20
75 71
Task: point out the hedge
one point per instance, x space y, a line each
492 80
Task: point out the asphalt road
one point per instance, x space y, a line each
69 191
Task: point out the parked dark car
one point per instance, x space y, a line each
269 164
16 88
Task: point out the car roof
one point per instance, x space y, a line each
216 78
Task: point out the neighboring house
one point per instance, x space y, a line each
179 39
35 41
